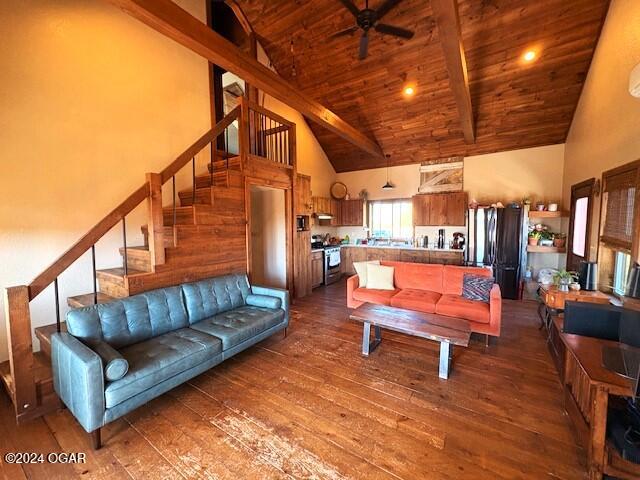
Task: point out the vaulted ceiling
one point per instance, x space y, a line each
515 105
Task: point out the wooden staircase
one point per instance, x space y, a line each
201 233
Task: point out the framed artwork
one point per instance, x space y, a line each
438 176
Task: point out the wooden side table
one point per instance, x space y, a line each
553 300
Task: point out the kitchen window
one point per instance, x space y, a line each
391 219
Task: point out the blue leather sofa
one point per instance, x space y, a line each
117 356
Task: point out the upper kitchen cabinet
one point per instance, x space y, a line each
352 212
304 204
440 209
321 205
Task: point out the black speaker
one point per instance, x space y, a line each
588 276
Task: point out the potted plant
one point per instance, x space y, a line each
534 237
546 238
563 279
559 240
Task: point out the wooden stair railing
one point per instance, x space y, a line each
24 375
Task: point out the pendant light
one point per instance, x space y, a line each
388 185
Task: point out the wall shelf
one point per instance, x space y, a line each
543 249
547 214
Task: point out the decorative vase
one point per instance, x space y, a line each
575 286
540 207
563 285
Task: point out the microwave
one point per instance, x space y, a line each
302 223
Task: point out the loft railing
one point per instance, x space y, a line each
20 379
269 136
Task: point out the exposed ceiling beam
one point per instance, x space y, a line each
169 19
448 21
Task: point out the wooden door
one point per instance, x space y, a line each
438 209
317 269
580 224
304 203
456 205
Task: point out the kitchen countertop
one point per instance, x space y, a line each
406 247
315 250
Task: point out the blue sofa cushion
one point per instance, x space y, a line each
236 326
209 297
158 359
264 301
130 320
115 366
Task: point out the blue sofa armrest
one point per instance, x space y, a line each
280 293
78 379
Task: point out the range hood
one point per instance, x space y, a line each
324 216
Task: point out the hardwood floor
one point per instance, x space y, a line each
310 406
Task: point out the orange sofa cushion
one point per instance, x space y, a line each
371 295
418 276
452 279
418 300
457 306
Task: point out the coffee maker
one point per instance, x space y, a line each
458 241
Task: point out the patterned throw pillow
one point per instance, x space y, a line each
477 288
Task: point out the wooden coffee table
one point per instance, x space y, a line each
448 331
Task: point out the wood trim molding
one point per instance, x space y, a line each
448 21
172 21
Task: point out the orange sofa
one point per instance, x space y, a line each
433 289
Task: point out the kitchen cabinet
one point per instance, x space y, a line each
304 204
415 256
447 258
317 269
349 255
302 264
351 212
440 209
321 205
383 254
336 212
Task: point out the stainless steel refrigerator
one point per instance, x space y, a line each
495 239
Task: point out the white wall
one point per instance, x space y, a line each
605 131
91 99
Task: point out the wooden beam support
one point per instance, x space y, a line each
169 19
155 222
446 15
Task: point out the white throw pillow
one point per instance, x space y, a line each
361 270
380 277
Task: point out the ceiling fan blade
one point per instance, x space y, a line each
351 7
385 7
346 31
391 30
364 45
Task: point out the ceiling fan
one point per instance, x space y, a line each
366 19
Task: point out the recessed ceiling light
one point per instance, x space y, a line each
529 56
408 91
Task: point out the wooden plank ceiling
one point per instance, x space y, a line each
515 105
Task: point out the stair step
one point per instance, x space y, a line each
220 179
219 165
138 258
43 334
112 281
184 215
42 374
203 197
167 234
86 300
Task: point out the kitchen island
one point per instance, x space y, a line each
405 253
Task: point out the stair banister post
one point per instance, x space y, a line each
155 222
18 320
243 131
